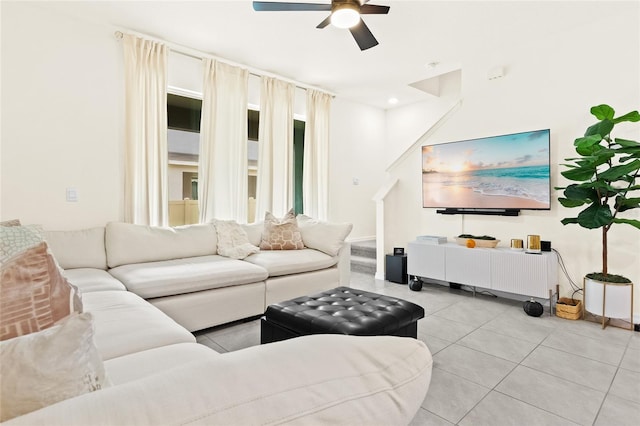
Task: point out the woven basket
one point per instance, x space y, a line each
572 311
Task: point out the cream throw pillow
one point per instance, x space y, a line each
233 241
281 234
327 237
43 368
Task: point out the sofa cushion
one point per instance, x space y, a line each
279 262
254 232
127 243
89 279
35 294
315 380
233 241
52 365
178 276
135 366
328 237
281 234
125 323
78 249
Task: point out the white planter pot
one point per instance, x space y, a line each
611 300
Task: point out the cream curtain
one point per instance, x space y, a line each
222 169
146 187
315 175
274 192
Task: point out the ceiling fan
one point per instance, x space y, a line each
344 14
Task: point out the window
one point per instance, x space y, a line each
183 141
298 158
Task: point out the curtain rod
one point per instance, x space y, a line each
192 53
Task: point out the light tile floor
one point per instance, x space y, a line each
494 365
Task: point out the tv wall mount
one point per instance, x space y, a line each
486 212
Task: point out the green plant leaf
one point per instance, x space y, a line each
569 220
579 193
570 203
616 172
623 204
603 188
579 173
588 140
595 216
626 142
603 112
631 222
602 128
630 116
587 145
593 161
627 158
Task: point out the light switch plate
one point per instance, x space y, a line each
72 195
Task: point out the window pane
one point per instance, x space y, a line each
183 144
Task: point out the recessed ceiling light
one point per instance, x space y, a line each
393 101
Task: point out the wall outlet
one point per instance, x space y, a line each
356 181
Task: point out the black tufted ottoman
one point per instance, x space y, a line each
342 310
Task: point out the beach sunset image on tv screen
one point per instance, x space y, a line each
497 172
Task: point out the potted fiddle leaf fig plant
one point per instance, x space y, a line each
604 185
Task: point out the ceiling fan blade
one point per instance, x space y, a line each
363 36
324 23
269 6
370 9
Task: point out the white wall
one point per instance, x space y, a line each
356 151
62 84
549 84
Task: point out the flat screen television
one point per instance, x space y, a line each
497 173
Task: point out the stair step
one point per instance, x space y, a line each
364 249
363 264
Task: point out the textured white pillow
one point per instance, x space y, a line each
233 241
49 366
324 236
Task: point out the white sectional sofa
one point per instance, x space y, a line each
159 375
179 270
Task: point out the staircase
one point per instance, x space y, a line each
363 257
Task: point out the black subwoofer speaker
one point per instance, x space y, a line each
396 269
545 245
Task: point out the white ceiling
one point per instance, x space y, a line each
452 33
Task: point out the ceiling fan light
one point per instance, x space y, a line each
345 16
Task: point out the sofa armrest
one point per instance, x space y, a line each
321 379
344 264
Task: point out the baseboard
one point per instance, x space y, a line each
360 239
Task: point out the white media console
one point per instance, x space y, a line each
500 269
